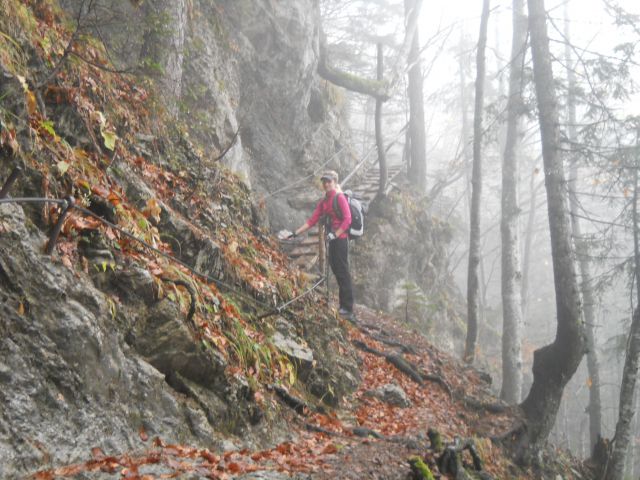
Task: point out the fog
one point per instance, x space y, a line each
604 61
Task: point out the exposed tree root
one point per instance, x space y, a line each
405 367
366 432
366 348
392 343
451 462
494 407
431 377
516 430
394 359
296 404
314 428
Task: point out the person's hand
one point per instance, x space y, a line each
331 236
293 235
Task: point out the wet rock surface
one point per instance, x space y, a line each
70 381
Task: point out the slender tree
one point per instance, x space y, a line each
528 241
511 275
382 158
473 280
626 409
418 149
553 364
582 251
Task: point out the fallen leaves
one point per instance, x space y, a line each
307 455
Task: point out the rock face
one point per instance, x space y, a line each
403 244
69 380
297 126
241 76
78 371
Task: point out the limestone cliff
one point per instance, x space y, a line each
105 342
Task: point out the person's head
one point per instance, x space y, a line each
329 180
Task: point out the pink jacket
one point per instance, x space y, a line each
325 207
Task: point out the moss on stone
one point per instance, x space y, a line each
436 440
420 469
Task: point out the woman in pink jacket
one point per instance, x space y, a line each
337 237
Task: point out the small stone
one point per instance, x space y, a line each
391 394
293 347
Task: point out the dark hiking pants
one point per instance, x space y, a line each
339 261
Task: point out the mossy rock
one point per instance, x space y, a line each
420 470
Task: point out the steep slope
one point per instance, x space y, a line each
108 337
153 339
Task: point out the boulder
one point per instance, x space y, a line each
166 342
391 394
295 348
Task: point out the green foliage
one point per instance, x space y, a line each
151 66
256 356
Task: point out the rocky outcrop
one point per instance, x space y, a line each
404 244
90 355
69 380
89 359
241 77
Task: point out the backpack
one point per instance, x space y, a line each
356 229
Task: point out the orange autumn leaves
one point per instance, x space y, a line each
307 455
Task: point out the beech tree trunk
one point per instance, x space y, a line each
633 457
554 364
462 64
511 275
582 252
626 410
418 152
528 240
473 280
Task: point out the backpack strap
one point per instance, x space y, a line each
336 209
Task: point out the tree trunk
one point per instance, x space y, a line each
626 410
418 155
554 364
465 126
635 468
511 275
473 281
528 240
382 158
623 435
582 252
163 48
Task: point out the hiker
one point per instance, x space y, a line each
337 237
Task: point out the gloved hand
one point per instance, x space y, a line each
331 236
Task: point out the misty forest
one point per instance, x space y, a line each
320 239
